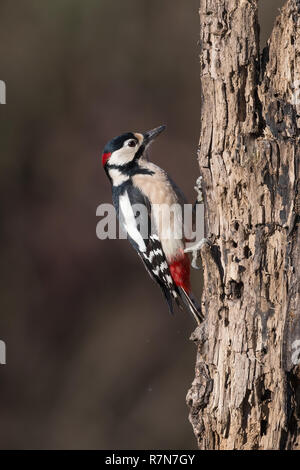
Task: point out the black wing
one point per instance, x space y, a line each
156 264
143 237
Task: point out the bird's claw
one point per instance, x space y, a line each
194 249
198 189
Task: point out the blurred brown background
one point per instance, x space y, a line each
94 360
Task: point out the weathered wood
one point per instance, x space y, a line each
246 391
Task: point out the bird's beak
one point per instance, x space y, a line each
149 136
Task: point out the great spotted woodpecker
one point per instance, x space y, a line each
135 180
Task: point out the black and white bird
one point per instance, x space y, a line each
134 181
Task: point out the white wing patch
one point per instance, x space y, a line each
130 222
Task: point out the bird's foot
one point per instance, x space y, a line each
198 189
194 249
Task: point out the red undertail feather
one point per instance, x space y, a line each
180 271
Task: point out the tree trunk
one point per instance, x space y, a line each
246 391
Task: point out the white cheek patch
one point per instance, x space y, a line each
117 177
123 156
129 221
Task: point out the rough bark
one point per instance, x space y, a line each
246 391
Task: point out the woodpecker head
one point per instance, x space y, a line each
125 150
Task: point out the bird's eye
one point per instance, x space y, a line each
131 143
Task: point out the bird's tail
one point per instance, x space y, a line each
192 304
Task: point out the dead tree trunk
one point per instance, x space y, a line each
246 392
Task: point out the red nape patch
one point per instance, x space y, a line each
180 271
105 157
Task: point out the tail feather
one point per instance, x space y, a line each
193 305
170 298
